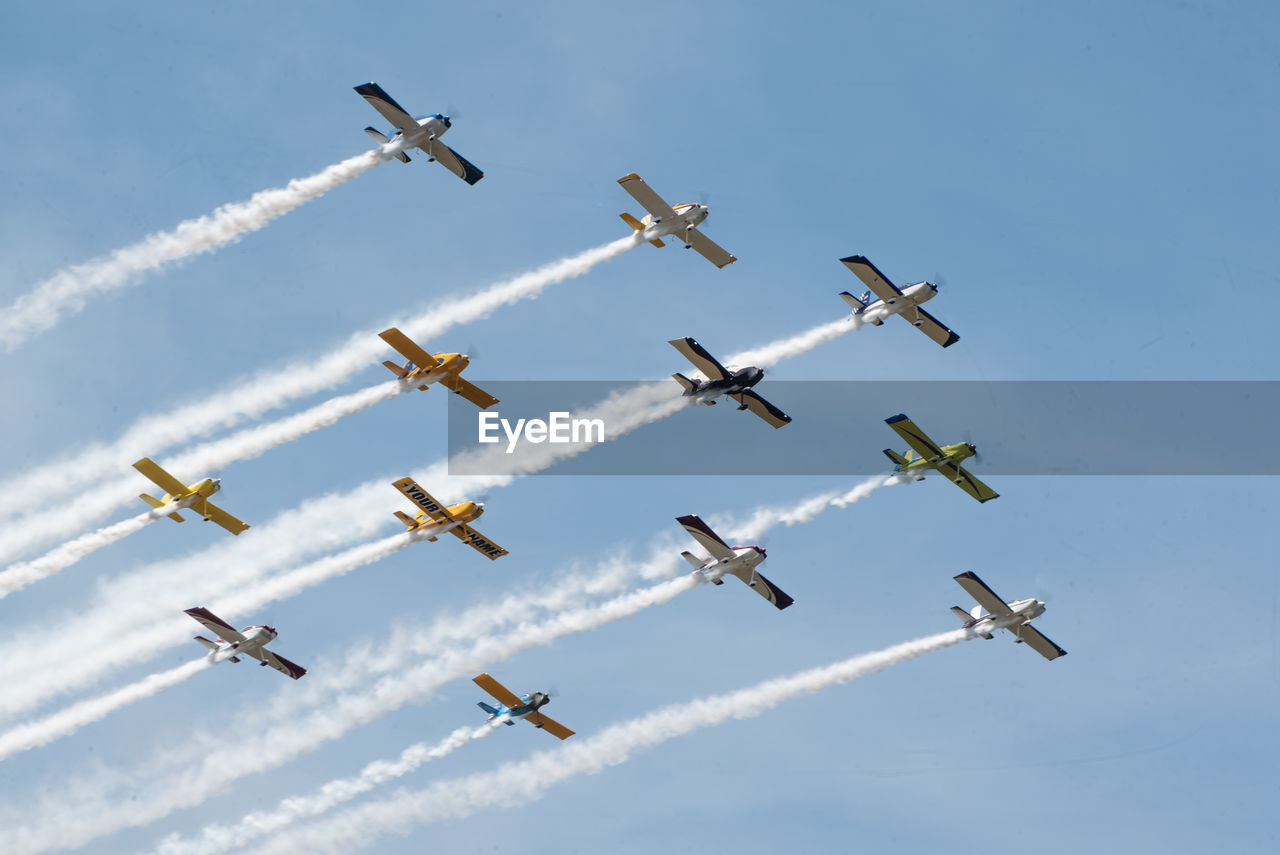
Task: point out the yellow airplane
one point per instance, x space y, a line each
425 369
194 497
452 519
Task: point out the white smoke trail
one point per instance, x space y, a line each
522 782
18 576
244 445
776 351
207 773
71 719
67 291
248 398
219 838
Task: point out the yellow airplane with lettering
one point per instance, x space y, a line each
438 519
193 497
423 369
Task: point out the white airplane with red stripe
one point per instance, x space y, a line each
233 643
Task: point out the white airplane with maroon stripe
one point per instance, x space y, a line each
233 643
729 560
1015 616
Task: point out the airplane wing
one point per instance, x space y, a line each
500 693
452 161
215 514
930 326
387 106
706 538
641 192
550 725
709 249
914 437
697 354
421 498
284 666
470 391
872 277
478 542
162 479
405 345
215 624
967 482
764 588
762 408
985 597
1039 643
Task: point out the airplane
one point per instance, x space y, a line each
194 497
946 460
525 707
729 560
721 381
1015 617
437 519
677 221
422 132
425 369
233 643
893 301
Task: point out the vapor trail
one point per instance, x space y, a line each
18 576
211 771
248 398
67 291
211 457
71 719
219 838
522 782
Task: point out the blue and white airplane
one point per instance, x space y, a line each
423 132
892 300
525 706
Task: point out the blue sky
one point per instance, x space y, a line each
1095 186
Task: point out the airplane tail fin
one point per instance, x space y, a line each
206 642
689 385
858 306
409 521
156 503
397 370
632 221
492 712
898 460
382 139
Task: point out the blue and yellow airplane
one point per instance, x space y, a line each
525 706
945 459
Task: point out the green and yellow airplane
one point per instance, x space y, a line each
945 459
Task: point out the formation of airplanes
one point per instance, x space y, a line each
881 300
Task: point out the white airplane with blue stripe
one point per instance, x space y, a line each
893 300
421 132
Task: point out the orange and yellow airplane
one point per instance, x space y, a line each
194 496
423 369
439 519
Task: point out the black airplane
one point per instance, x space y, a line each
721 381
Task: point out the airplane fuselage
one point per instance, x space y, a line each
429 128
744 558
448 364
532 703
1023 611
195 492
683 218
956 454
912 295
255 638
706 391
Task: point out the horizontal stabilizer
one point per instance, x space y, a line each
854 303
206 642
658 243
693 561
397 370
964 616
688 384
409 521
895 457
631 221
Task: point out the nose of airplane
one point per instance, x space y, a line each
480 505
